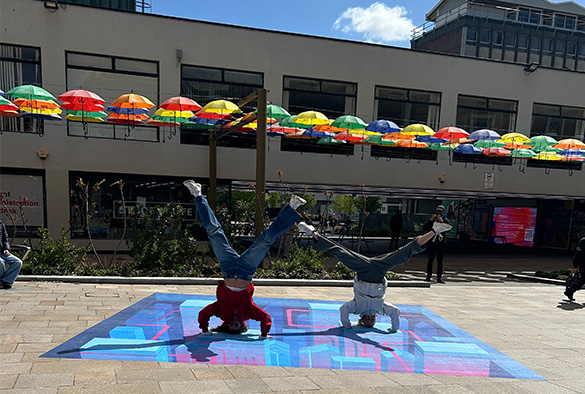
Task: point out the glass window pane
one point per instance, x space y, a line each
20 53
571 48
468 101
76 59
510 39
573 112
484 36
339 87
301 84
535 43
429 97
471 34
206 74
498 37
560 46
392 93
523 41
503 105
243 78
136 66
545 109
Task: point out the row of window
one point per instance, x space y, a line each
111 76
538 17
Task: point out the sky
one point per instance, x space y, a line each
381 22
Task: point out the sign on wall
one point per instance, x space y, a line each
22 199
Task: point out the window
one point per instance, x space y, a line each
106 219
475 113
19 65
407 106
332 98
205 84
565 21
110 77
558 121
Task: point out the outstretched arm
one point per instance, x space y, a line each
423 239
205 314
344 313
264 318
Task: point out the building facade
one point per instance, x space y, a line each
113 52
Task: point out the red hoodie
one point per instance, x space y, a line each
240 301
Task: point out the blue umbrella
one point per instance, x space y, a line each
484 134
468 149
429 139
2 93
128 111
41 116
383 126
312 133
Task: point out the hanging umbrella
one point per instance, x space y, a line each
468 149
489 144
484 134
84 116
132 101
418 129
350 137
569 143
202 123
383 126
411 144
81 96
221 107
515 137
349 122
517 145
30 92
399 136
327 128
129 109
2 94
552 156
312 133
330 141
37 104
496 152
378 140
429 139
276 112
311 118
523 154
282 129
441 146
8 108
180 104
542 141
451 133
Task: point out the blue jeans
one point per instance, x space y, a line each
242 266
9 275
368 269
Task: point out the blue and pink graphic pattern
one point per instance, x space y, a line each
305 333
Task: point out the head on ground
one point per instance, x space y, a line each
367 320
233 326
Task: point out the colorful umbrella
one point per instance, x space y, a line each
437 146
312 133
129 109
8 108
202 123
383 126
30 92
540 142
418 129
349 122
311 118
489 144
496 152
523 154
282 129
429 139
81 96
276 112
350 137
552 156
451 133
515 137
378 140
411 144
330 141
221 107
180 104
484 134
517 145
569 143
468 149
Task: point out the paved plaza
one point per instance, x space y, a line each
527 321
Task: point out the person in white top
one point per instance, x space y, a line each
370 281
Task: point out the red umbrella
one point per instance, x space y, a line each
350 137
496 152
213 115
180 104
451 133
80 96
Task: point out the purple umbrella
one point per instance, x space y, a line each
484 134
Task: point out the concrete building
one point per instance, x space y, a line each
113 52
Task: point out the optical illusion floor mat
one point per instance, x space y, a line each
305 333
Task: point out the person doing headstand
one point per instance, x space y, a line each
369 287
234 293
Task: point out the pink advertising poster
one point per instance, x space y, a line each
515 225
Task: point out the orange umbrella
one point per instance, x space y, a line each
497 151
570 143
350 137
411 144
132 100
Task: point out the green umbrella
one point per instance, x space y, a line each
542 141
198 126
329 141
275 112
544 148
523 153
489 144
30 92
290 122
349 122
378 140
96 114
440 146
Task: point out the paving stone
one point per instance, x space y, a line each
154 375
213 372
45 380
204 386
254 385
283 383
136 388
357 381
7 380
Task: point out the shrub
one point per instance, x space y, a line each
302 263
559 274
54 257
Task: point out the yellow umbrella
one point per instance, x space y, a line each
553 156
84 119
515 137
311 118
417 129
221 107
363 132
175 114
44 111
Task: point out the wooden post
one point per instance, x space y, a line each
260 162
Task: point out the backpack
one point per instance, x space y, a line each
574 282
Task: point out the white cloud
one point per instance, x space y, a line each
377 23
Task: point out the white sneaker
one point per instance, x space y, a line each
306 228
296 201
439 227
194 188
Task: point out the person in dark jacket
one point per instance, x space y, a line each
578 266
396 223
7 274
234 293
436 246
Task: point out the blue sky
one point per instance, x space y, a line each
388 22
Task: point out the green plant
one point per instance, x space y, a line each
54 257
558 274
302 263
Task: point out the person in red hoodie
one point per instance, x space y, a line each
234 293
